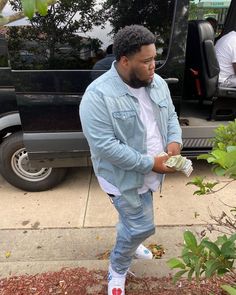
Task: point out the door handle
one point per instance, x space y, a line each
171 80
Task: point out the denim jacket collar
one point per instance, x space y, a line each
121 87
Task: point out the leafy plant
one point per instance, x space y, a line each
212 258
205 258
204 187
222 157
225 135
224 161
223 154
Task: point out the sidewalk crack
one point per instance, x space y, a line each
86 206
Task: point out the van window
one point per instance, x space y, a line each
31 47
214 11
3 52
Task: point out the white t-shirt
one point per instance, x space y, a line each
154 143
226 55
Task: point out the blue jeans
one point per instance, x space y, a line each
135 225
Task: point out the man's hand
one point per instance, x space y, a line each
160 166
173 149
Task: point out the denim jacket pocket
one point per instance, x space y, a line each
125 122
163 104
124 115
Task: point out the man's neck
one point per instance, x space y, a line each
121 72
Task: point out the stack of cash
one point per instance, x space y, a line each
180 163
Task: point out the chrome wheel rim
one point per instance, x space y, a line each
21 166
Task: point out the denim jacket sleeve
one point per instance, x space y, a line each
174 132
98 129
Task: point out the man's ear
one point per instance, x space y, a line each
124 61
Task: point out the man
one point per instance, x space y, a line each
213 22
226 55
128 119
103 64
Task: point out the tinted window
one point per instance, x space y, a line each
45 45
3 52
214 11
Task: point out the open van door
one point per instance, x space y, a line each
205 104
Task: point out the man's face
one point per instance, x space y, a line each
141 66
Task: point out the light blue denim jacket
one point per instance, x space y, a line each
111 123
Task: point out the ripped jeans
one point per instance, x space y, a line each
135 225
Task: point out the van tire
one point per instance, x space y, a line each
16 169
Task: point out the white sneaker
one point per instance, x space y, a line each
116 282
143 253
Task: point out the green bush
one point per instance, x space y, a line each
205 258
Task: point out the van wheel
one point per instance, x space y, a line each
15 167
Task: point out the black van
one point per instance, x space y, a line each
40 129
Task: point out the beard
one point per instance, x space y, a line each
135 82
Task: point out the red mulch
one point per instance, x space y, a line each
80 281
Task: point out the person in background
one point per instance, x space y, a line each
103 64
129 120
226 54
213 22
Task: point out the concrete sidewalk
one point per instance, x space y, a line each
74 222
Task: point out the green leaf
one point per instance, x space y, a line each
175 263
211 267
28 7
221 146
229 289
230 159
210 185
220 158
218 154
197 268
222 271
228 250
221 240
178 275
219 171
196 181
42 7
212 247
190 274
231 171
211 160
187 256
190 240
7 254
203 157
231 148
233 238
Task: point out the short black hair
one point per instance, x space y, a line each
109 49
211 19
130 39
213 22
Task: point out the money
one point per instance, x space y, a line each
179 163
